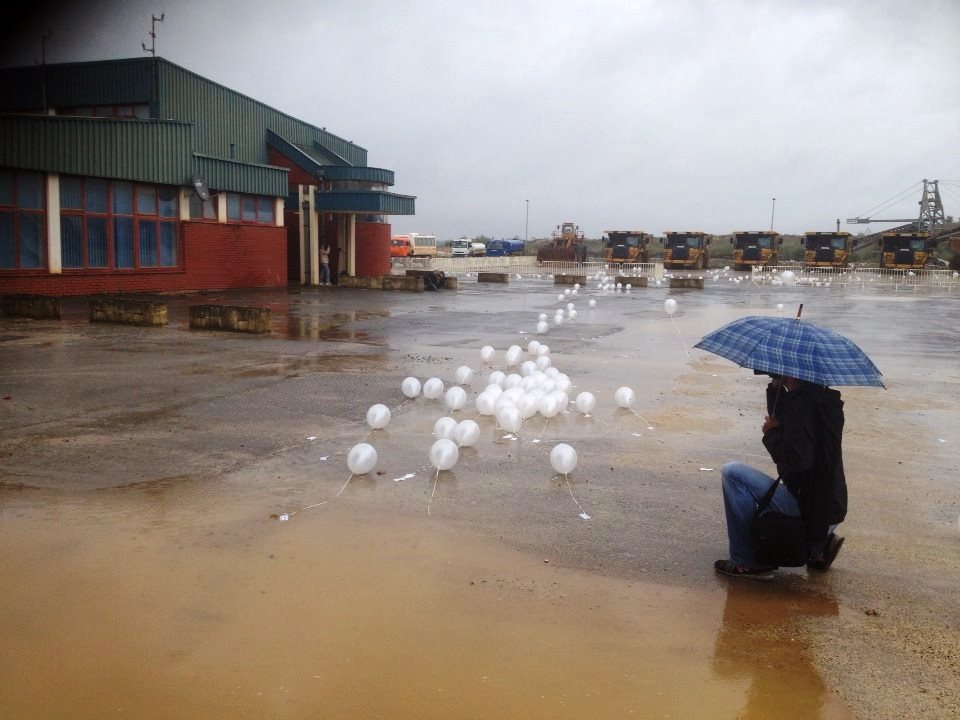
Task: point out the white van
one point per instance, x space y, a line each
461 247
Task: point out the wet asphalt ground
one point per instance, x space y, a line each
88 408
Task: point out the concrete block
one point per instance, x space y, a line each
493 277
637 282
569 279
127 311
232 318
676 282
38 307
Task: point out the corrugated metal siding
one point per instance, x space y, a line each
359 201
148 151
368 174
114 82
226 117
242 177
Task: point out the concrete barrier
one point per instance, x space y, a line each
633 281
38 307
232 318
125 311
569 279
408 283
676 282
493 277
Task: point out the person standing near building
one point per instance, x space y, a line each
325 265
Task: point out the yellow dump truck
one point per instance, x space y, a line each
626 246
686 250
826 249
905 250
755 248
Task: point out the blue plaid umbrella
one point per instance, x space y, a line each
795 348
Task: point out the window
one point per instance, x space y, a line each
22 220
250 208
203 209
115 224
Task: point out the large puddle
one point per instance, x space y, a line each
185 600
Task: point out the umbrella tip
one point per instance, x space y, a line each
799 311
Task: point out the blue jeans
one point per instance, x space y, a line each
324 273
744 487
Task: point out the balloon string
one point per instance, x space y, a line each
430 502
640 416
566 480
675 327
345 485
291 514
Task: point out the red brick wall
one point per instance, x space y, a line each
297 176
373 249
215 256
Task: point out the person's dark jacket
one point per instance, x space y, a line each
807 449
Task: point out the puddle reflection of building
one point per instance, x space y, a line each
759 642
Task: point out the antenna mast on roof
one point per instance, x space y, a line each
153 53
153 35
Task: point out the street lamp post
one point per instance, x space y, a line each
773 208
526 227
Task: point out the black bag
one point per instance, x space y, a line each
777 539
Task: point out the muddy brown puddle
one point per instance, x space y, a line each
185 600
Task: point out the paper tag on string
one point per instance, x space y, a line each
284 517
584 516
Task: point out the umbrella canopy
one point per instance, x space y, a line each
795 348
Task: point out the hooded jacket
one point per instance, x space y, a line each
807 449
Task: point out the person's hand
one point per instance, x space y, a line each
769 423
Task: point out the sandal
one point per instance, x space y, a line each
823 563
728 567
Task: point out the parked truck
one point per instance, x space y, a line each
826 249
906 250
626 246
755 248
686 250
498 248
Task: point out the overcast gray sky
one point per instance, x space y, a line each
649 115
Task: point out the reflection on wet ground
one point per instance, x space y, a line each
180 599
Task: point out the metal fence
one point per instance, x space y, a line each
527 266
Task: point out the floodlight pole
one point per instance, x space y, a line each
526 227
773 208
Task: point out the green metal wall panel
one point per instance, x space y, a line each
225 117
368 202
148 151
228 175
362 174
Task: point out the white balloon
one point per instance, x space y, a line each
455 398
527 405
551 372
509 418
513 355
533 345
572 314
463 375
563 400
558 320
362 458
576 286
378 416
670 306
485 403
444 454
624 397
466 433
487 352
497 377
503 401
433 388
410 387
570 306
560 297
542 327
586 402
567 291
788 277
563 458
779 307
543 349
563 382
544 361
542 317
443 427
548 406
527 368
493 390
593 303
512 380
